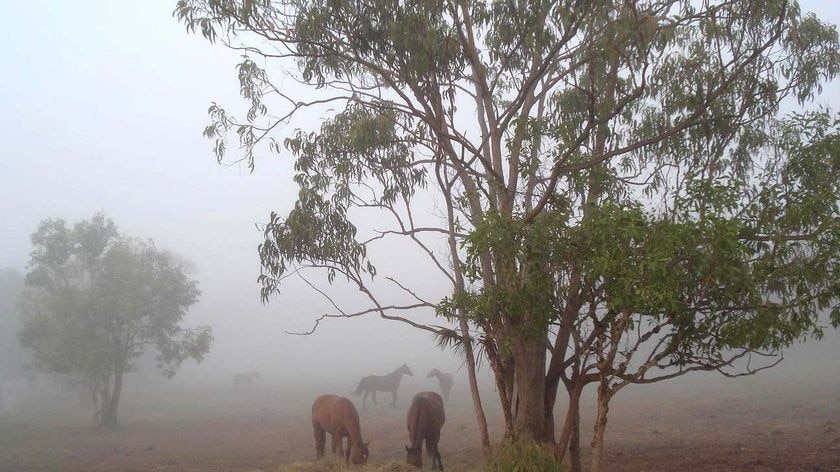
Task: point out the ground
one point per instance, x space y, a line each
755 425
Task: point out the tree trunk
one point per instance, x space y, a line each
600 426
497 364
558 358
574 445
476 397
529 359
464 326
111 409
572 418
97 408
550 400
104 399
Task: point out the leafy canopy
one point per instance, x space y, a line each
96 300
613 177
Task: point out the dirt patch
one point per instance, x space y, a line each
654 429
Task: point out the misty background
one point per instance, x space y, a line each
103 108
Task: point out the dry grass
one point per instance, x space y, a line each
332 465
754 425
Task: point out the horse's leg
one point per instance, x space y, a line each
373 394
320 440
341 444
432 447
364 399
336 442
394 398
349 450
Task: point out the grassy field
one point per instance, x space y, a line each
753 424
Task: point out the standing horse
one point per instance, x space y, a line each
445 381
337 416
382 383
425 419
245 379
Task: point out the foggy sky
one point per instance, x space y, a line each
103 105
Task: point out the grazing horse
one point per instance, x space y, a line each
245 379
445 381
337 416
425 418
382 383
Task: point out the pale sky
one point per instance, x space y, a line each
103 105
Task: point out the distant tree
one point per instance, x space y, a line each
11 354
13 357
95 301
614 178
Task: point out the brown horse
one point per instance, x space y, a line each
382 383
425 418
445 381
337 416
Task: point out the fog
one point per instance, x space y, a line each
103 108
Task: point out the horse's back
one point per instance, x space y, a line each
333 411
433 408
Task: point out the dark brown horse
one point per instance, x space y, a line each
445 381
382 383
337 416
425 419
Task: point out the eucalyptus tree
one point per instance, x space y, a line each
95 301
722 278
605 170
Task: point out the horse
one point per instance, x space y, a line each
245 379
382 383
337 416
425 419
445 381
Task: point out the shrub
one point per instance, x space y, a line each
524 456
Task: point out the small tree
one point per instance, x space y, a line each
565 142
12 357
95 301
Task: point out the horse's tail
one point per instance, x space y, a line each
359 388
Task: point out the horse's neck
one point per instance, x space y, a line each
397 374
355 433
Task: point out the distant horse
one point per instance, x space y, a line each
382 383
445 381
425 419
337 416
245 379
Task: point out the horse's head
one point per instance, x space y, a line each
405 370
358 456
433 373
413 457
